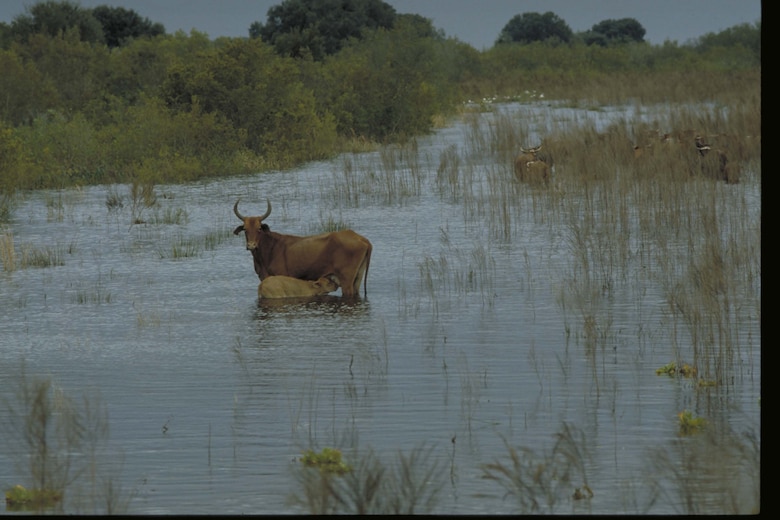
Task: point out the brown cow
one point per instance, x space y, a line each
288 287
530 168
344 254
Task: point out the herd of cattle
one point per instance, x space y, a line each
705 158
532 166
293 266
301 266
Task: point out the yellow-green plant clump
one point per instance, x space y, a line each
689 424
327 461
671 369
19 498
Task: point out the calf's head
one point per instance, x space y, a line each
326 284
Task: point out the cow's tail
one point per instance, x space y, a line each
365 275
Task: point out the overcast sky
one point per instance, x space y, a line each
477 22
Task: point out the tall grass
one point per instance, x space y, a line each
57 443
7 251
410 485
696 483
543 481
390 176
658 221
46 256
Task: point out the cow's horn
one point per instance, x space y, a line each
267 212
241 217
235 210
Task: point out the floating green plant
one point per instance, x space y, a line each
690 424
19 498
328 461
671 369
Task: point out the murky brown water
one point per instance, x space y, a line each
212 395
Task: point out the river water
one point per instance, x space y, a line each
462 344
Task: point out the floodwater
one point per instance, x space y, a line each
463 342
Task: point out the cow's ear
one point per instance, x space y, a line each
265 227
238 230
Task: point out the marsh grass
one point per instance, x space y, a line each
47 256
213 239
170 216
57 442
6 206
181 248
114 200
688 477
389 176
55 208
142 196
409 485
459 271
326 225
7 251
96 295
657 222
543 481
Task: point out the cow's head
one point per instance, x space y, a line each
252 226
531 151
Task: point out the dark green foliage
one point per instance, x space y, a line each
747 36
319 28
77 109
259 93
535 27
26 92
389 86
121 25
611 32
53 18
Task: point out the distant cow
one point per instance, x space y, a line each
288 287
716 165
343 254
530 168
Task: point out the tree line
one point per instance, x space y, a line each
105 95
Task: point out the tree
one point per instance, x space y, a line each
120 25
321 26
260 93
610 32
26 92
746 35
535 27
54 18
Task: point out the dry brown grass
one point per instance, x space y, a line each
7 252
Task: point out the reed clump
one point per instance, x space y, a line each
716 471
541 482
410 485
45 256
56 442
7 251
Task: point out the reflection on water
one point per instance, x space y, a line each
478 327
326 303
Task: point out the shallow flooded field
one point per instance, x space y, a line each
501 320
